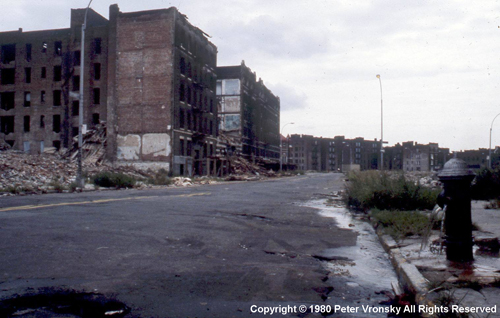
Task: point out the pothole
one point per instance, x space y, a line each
62 303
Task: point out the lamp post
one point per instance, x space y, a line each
281 146
79 177
381 126
489 151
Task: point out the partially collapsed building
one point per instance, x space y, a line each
150 75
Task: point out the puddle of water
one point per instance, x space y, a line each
368 265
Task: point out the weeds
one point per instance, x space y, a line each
161 177
57 185
401 224
113 180
374 189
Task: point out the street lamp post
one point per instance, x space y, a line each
489 151
281 146
381 126
79 177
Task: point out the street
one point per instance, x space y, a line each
221 250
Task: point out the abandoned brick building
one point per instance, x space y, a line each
149 74
249 113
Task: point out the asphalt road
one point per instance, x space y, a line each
205 251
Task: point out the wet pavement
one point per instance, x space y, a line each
472 286
223 250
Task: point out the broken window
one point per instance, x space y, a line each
8 76
76 83
188 99
56 144
42 96
57 98
75 108
7 100
56 123
42 121
97 71
97 96
6 124
95 118
181 144
76 58
97 45
27 74
44 72
44 47
58 48
8 53
27 99
189 74
74 131
28 52
26 123
57 73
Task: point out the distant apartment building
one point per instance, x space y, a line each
477 158
249 113
149 74
340 154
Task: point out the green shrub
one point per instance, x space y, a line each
400 224
113 180
375 189
486 185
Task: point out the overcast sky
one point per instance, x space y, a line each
438 60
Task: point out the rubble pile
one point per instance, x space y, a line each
4 145
244 170
34 173
93 146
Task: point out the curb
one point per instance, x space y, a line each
408 274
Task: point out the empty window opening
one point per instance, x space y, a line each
182 93
57 98
97 46
181 119
97 96
26 123
76 83
58 48
182 66
76 58
42 96
56 123
6 124
95 119
97 71
8 53
75 108
8 76
74 131
181 144
56 144
7 100
57 73
27 74
44 47
44 72
28 52
27 99
42 121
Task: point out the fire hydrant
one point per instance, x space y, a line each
456 196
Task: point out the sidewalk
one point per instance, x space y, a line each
436 282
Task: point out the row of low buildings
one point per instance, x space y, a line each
306 152
152 76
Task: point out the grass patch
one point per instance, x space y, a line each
384 191
401 224
113 180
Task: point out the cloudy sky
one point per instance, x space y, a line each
438 60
